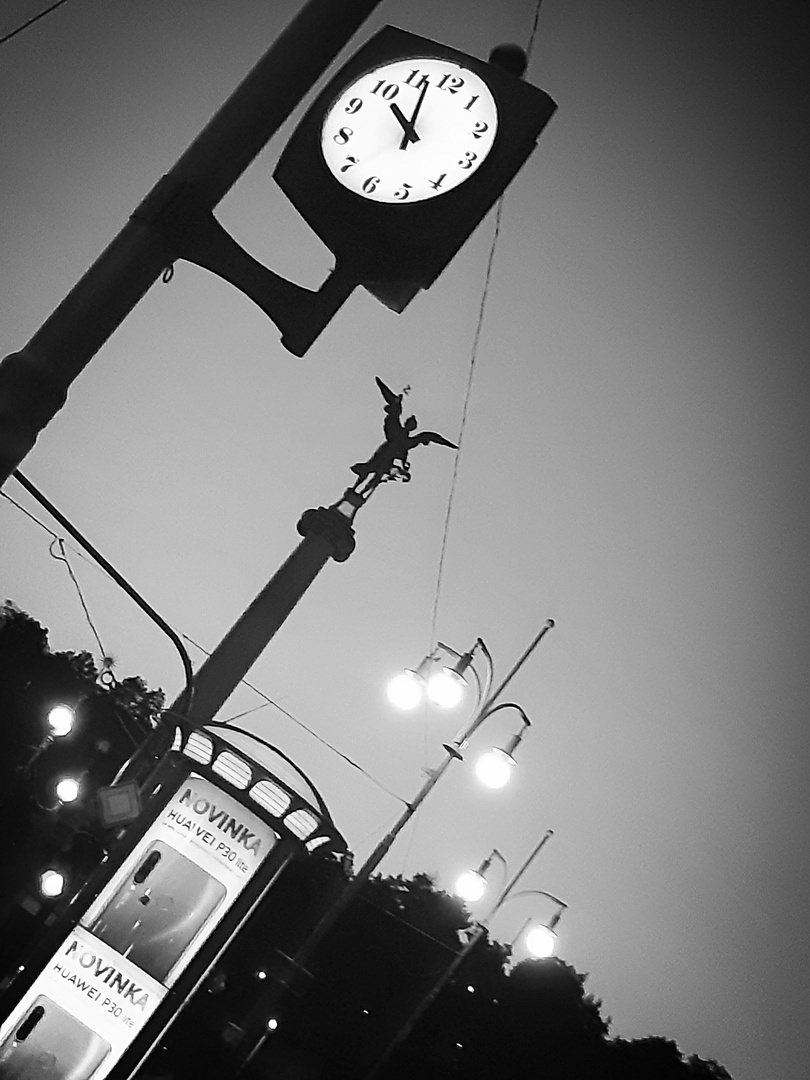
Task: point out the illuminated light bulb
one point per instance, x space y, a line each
67 790
446 688
470 886
405 690
540 941
495 768
272 1023
51 883
61 719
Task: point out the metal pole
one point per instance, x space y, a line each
454 965
34 381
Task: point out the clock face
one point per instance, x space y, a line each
409 130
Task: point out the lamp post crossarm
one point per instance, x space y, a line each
507 889
490 705
541 892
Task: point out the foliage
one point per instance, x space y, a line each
531 1021
112 718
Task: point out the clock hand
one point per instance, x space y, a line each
407 126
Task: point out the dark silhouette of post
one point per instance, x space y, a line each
327 533
34 381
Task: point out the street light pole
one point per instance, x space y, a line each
456 963
257 1015
34 381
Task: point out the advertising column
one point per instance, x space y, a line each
111 972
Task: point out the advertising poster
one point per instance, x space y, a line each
169 895
110 974
80 1015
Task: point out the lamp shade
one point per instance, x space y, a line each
405 690
494 769
541 941
470 886
61 719
51 883
446 688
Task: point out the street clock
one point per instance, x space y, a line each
405 144
403 153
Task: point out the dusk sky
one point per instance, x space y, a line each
633 464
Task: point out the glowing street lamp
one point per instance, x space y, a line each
472 884
405 689
541 941
51 883
61 719
68 789
445 687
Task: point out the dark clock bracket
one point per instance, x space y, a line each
191 232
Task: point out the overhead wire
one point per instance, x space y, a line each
58 541
62 557
31 21
251 686
468 392
471 372
118 578
305 727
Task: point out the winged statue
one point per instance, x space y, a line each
390 460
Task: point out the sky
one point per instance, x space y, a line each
633 464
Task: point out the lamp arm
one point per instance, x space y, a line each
507 889
489 705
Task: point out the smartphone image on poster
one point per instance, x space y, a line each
50 1044
159 909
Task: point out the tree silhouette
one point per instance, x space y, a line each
112 718
533 1022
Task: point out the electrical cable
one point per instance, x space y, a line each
31 21
119 580
464 410
62 557
266 698
305 727
473 359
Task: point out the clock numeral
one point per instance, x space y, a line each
350 161
472 101
479 129
354 105
370 184
403 192
418 83
343 136
451 83
386 90
436 184
468 159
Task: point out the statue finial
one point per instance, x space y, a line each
390 460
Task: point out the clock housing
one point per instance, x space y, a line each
391 245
